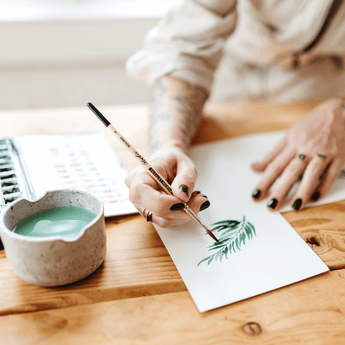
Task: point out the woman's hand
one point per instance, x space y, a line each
179 171
315 146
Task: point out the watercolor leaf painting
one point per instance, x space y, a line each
233 234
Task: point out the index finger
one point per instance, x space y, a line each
184 181
145 192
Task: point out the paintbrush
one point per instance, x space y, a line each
150 170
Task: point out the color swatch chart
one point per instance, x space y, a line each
84 161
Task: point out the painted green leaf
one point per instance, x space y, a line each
233 234
203 260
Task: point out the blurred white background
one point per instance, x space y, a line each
61 53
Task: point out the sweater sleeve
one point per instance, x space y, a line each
186 44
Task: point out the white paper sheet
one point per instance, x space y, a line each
274 257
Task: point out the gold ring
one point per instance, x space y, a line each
143 212
149 216
322 158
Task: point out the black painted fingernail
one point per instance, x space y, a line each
316 196
256 193
272 203
183 188
297 204
205 197
205 205
177 207
197 192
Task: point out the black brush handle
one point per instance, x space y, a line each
98 114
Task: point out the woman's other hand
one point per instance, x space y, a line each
314 147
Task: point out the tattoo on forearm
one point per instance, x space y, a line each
158 113
188 106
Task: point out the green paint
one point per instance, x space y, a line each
61 221
233 234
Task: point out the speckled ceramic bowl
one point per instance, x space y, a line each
54 261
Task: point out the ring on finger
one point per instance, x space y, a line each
149 216
301 156
323 158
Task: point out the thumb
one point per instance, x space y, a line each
184 182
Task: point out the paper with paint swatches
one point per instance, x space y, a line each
33 164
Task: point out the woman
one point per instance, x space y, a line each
237 51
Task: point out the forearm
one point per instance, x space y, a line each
175 113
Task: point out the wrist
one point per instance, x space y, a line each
177 145
165 145
169 146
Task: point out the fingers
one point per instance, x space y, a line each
198 202
272 172
320 137
290 175
309 182
310 188
165 210
184 181
145 192
331 175
262 165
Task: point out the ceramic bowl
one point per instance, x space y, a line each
54 261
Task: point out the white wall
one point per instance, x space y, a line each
65 59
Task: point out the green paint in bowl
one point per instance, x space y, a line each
61 221
55 240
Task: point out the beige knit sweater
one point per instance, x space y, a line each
248 49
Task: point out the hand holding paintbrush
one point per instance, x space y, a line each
149 169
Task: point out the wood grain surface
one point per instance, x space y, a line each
137 296
308 312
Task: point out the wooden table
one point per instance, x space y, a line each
137 296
